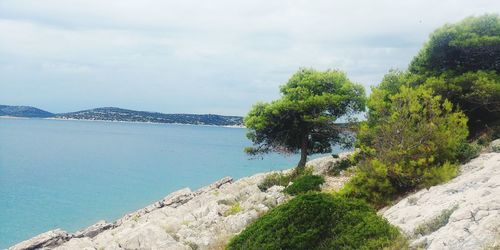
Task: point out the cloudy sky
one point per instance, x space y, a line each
217 56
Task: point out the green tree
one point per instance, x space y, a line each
460 62
411 140
470 45
303 119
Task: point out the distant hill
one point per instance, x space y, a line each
118 114
24 111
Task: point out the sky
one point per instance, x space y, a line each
218 56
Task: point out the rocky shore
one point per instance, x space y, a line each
461 214
186 219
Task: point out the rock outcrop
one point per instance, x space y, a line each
461 214
47 240
185 219
203 219
323 165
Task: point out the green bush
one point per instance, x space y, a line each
468 151
281 179
495 132
318 221
340 166
410 140
234 209
274 179
304 184
495 146
438 174
371 184
483 140
435 223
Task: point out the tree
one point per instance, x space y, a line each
470 45
460 62
411 140
302 120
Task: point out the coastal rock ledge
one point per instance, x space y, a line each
461 214
185 219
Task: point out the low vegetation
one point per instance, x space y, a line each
304 184
318 221
283 179
274 179
436 223
468 151
234 209
340 166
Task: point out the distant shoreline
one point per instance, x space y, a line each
117 121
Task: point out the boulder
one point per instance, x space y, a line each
323 164
94 230
177 198
47 240
214 185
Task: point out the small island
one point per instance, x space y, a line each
123 115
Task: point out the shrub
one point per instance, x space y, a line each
304 184
339 166
495 132
371 184
436 223
274 179
193 245
410 141
234 209
281 179
483 140
495 146
467 151
438 174
318 221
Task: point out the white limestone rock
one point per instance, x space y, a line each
323 164
45 240
94 230
472 200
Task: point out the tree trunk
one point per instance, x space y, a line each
303 153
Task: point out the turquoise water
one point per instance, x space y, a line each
70 174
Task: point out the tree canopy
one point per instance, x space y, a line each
470 45
303 118
410 140
460 62
318 221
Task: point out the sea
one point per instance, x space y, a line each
71 174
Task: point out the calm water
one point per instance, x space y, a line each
70 174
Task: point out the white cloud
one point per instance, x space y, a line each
202 56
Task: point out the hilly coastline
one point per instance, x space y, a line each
123 115
24 111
